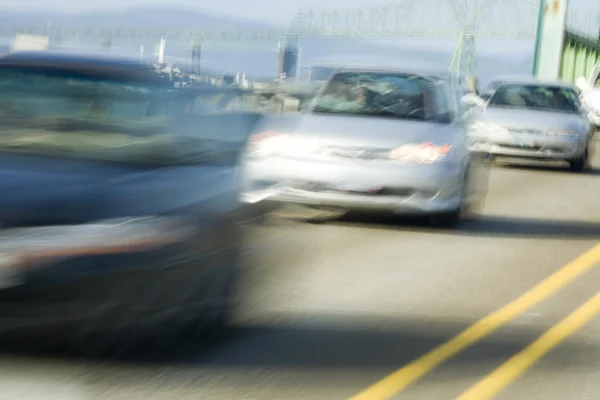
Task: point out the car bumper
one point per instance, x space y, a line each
402 189
546 149
75 290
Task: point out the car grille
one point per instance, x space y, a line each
517 147
320 187
360 153
526 131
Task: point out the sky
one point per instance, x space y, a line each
274 11
582 13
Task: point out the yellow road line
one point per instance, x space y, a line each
500 378
402 378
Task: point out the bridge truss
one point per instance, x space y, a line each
465 20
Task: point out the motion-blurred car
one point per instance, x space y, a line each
531 119
374 139
119 217
590 95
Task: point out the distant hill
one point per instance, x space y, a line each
262 63
146 17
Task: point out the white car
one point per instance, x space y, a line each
590 95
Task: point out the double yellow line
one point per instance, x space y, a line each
498 379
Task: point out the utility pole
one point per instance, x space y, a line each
465 55
535 64
161 50
196 57
550 36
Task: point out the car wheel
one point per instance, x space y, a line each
220 325
580 164
450 219
191 321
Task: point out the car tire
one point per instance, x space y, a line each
449 220
221 326
164 336
453 219
581 163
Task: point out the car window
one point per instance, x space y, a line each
536 97
572 95
32 96
77 116
439 99
320 73
379 95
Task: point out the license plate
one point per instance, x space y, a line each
526 145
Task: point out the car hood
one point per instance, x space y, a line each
360 131
532 119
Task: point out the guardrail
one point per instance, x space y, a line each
580 55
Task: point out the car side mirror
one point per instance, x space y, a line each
581 83
466 103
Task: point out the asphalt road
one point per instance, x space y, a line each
333 308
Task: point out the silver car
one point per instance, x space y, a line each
532 119
372 140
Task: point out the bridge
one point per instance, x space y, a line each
575 43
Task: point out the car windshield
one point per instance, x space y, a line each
380 94
493 85
321 73
535 97
72 115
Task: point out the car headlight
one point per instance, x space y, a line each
425 153
105 236
593 107
594 113
271 143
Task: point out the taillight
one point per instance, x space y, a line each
425 153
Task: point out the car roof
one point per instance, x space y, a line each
93 65
402 68
500 78
61 58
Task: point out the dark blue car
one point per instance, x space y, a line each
119 209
